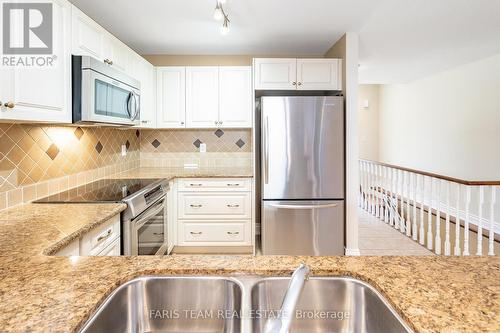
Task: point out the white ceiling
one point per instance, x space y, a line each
400 40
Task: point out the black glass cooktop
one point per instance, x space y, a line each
104 190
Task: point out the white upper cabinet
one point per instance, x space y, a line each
146 74
202 97
171 97
42 94
88 36
275 74
297 74
235 96
90 39
319 74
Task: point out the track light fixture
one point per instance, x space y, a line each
220 14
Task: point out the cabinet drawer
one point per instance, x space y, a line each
153 233
96 240
214 205
112 249
229 184
199 233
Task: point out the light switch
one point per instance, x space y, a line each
203 147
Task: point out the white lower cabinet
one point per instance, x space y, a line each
104 240
214 212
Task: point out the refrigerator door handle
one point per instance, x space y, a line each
266 151
285 206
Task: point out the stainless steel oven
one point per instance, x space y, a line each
146 233
103 94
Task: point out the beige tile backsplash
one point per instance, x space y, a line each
174 148
39 160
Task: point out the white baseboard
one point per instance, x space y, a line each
352 252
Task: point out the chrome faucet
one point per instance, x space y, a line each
282 323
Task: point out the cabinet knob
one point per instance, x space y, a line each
9 105
182 123
294 83
300 83
144 121
220 122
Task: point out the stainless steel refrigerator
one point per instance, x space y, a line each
302 175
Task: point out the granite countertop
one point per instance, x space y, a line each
40 293
170 173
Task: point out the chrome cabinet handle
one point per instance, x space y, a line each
158 233
144 121
103 237
300 83
9 105
195 233
196 206
233 206
233 233
233 185
220 122
182 123
294 83
284 206
216 122
195 185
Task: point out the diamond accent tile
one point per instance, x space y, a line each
52 152
156 143
240 143
137 133
79 133
197 143
99 147
219 133
127 144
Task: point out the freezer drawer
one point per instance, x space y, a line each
303 228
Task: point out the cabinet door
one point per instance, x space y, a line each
202 97
171 97
117 53
43 94
319 74
235 96
113 249
88 36
145 73
275 73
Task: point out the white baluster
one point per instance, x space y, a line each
360 194
467 220
479 251
414 229
386 191
396 217
491 249
393 179
408 206
370 186
429 216
377 191
402 206
437 241
447 245
456 250
365 199
422 210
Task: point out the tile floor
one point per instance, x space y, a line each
377 238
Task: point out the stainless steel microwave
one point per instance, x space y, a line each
103 94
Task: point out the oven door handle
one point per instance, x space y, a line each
150 212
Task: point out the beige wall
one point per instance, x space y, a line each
368 122
346 48
447 123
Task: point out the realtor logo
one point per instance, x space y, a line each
27 28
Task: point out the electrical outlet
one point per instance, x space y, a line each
124 150
203 147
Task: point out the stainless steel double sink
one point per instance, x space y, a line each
242 304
